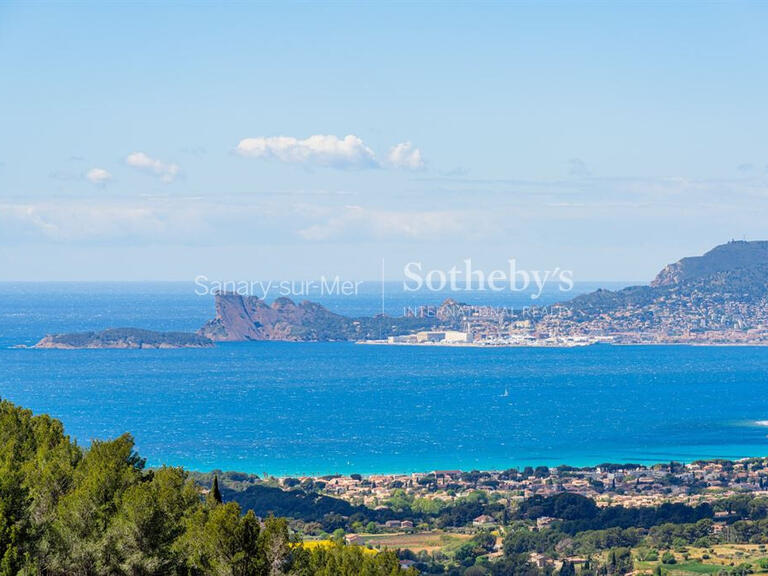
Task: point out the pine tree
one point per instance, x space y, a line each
214 496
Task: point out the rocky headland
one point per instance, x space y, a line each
244 318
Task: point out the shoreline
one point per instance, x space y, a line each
545 344
643 464
472 345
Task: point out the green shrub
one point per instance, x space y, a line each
668 558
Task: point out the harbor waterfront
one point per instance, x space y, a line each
322 408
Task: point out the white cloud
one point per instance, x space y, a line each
406 155
98 176
320 150
167 172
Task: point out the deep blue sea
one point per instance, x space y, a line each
286 408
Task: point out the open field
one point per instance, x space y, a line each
428 541
312 544
725 557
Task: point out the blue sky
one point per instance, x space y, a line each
138 141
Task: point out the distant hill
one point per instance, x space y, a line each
737 271
308 506
735 256
125 338
721 296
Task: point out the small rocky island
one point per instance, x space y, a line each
126 339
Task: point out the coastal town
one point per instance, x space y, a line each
627 485
714 299
679 321
445 521
472 325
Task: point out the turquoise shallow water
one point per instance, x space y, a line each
287 408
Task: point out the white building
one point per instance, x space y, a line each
455 336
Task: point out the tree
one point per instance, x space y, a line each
14 517
214 495
151 519
84 513
221 542
567 569
275 543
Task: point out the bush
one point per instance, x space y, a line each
647 555
668 558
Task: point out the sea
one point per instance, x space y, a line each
324 408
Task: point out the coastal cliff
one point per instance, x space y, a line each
124 338
243 318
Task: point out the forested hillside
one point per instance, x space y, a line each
65 510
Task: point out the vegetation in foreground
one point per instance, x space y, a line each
69 511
